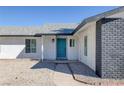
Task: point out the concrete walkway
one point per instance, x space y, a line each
63 76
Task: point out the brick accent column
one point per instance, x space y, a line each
110 48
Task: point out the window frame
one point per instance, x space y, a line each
85 45
72 42
30 46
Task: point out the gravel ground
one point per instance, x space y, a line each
35 73
84 74
26 72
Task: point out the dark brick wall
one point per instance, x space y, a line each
110 48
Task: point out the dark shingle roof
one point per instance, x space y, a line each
38 30
58 28
19 30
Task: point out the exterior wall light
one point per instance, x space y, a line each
53 40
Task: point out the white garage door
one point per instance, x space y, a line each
11 47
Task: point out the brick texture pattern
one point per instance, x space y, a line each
110 48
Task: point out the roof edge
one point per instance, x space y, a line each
98 17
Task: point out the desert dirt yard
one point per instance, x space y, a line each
25 72
35 73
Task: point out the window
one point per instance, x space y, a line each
72 42
30 46
85 45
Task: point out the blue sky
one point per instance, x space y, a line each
36 15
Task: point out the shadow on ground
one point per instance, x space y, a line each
82 69
75 68
78 70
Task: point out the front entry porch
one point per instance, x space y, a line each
58 48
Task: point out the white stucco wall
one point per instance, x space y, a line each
90 32
72 52
49 47
14 47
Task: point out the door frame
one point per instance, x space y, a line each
64 58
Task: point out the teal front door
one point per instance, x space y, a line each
61 48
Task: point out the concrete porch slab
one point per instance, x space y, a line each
61 61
